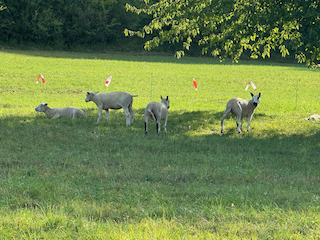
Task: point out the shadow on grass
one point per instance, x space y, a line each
149 57
84 159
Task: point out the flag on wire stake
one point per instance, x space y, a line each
195 84
108 81
252 84
42 77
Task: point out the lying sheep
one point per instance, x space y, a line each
241 108
113 100
68 112
157 111
313 117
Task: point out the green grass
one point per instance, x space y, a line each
71 179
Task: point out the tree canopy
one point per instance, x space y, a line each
228 28
61 23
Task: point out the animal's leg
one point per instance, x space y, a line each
226 112
132 114
99 114
238 122
146 124
249 121
107 115
72 115
126 112
157 117
241 122
165 124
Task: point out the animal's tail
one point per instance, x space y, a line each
152 115
134 95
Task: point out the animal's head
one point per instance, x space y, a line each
256 99
165 101
41 107
90 95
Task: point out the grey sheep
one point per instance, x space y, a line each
113 100
241 108
68 112
157 111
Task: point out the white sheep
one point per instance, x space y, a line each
157 111
113 100
313 117
68 112
241 108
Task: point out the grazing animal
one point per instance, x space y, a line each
68 112
241 108
113 100
157 111
313 117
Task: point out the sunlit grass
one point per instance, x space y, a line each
71 179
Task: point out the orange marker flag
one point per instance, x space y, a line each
42 77
108 81
195 84
252 84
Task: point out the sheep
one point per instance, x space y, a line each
157 111
68 112
241 108
113 100
313 117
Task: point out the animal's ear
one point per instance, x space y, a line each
167 97
161 97
251 94
96 92
88 93
259 94
46 104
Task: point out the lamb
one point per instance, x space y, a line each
68 112
313 117
113 100
157 111
241 108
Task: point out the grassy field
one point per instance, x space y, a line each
75 179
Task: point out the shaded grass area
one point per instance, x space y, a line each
74 178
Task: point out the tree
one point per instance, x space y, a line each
228 28
2 7
61 23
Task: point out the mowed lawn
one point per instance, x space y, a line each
75 179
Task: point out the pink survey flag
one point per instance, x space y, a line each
108 81
42 77
195 84
252 84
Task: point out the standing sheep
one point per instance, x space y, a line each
157 111
68 112
113 100
241 108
